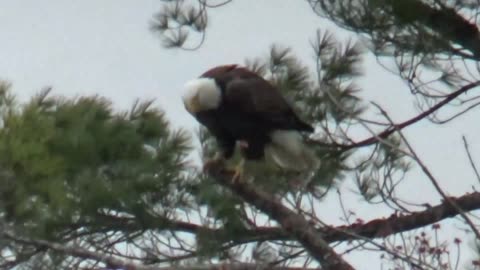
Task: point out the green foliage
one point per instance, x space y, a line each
431 44
176 21
337 65
74 168
65 161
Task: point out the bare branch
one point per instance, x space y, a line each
375 228
397 224
393 128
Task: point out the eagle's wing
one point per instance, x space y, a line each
258 98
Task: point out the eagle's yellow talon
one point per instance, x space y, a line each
238 175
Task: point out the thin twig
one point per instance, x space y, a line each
467 149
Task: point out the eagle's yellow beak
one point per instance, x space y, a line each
193 105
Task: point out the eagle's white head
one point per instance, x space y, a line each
201 94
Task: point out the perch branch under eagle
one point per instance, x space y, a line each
238 106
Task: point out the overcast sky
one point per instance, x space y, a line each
105 47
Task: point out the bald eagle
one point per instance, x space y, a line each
237 105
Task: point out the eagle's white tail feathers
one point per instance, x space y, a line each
289 151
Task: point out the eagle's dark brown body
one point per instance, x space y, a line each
250 110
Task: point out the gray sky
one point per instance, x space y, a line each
105 47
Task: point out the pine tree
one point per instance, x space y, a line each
83 186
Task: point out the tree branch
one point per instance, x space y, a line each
115 263
396 224
293 223
445 21
375 228
382 227
78 252
392 129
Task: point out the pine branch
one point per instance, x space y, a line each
397 224
78 252
445 21
377 228
115 263
293 223
383 227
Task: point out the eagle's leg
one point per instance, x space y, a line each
239 168
218 162
238 172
